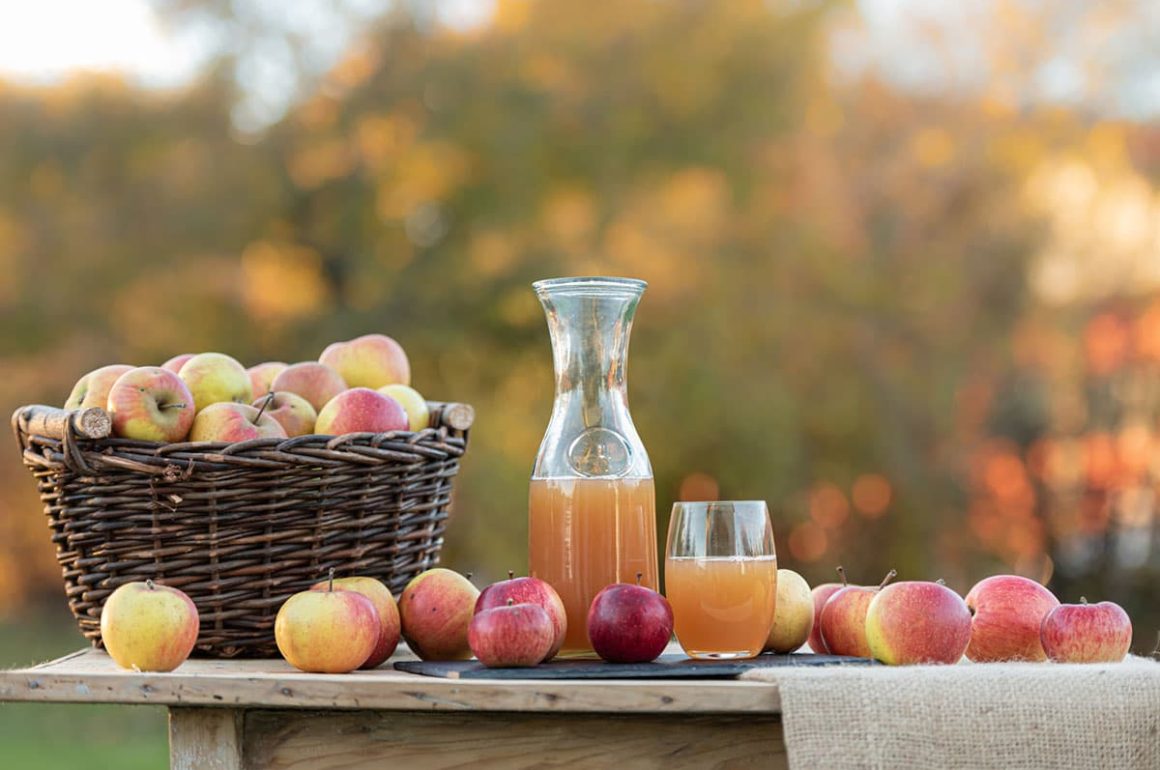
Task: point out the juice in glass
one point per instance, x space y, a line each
722 605
585 534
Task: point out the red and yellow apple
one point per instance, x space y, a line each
821 594
93 389
292 410
843 619
369 361
262 375
413 404
1087 633
174 364
149 627
385 607
230 422
1007 612
511 635
793 617
436 609
327 632
214 378
315 382
528 590
917 622
360 410
150 404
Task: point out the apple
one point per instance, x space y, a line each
174 364
93 389
1086 633
315 382
294 412
436 608
149 627
385 608
820 594
229 422
511 635
262 375
150 404
369 361
1007 612
629 623
918 622
413 404
214 378
327 632
793 617
360 410
528 590
843 618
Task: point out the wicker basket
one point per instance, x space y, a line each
238 527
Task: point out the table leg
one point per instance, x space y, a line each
205 738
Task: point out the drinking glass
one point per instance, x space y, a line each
721 577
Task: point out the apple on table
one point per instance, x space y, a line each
528 590
1087 633
821 594
629 623
327 632
436 608
147 626
511 635
388 612
793 618
843 618
918 621
1007 612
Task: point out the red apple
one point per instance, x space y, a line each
327 632
149 627
843 618
918 622
1007 612
528 590
214 378
369 361
1087 633
231 423
174 364
262 375
150 404
511 635
315 382
294 412
629 623
360 410
820 594
436 608
385 608
93 389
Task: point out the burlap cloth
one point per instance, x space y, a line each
996 715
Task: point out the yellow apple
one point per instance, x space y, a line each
385 606
149 627
215 377
292 410
327 632
793 617
413 404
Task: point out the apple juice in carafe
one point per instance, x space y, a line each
592 506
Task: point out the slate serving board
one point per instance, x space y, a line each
670 666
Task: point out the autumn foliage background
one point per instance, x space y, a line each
922 322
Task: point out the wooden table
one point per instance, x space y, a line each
229 715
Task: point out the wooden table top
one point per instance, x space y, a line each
90 676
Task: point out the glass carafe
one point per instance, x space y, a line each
592 506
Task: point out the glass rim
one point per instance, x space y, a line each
711 503
591 284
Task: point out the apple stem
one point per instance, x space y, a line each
330 583
639 575
1083 600
511 574
468 575
889 576
174 405
842 574
1156 652
149 584
269 399
510 602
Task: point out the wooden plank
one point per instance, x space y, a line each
352 740
205 739
92 677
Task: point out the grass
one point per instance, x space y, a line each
54 736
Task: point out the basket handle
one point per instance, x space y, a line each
455 416
40 420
